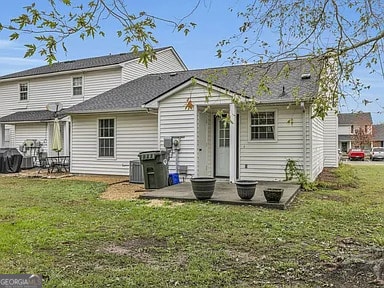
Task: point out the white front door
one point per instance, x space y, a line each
221 149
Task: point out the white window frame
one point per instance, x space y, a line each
223 134
106 137
23 92
263 125
7 137
75 87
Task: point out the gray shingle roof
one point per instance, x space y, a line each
31 116
378 132
243 79
358 118
77 64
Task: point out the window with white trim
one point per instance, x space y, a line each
223 134
7 137
77 86
23 91
263 126
106 137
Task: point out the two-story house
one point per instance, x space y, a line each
114 108
25 95
351 124
378 135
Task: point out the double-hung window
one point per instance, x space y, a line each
106 137
263 126
23 91
77 86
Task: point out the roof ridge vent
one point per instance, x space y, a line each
305 76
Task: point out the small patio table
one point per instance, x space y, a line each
58 163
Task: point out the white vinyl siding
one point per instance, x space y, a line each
331 157
266 160
317 147
166 62
344 130
174 120
42 91
36 131
135 133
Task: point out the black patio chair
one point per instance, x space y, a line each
43 161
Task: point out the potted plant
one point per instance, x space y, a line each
246 189
203 187
273 195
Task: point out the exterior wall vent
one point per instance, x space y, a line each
135 172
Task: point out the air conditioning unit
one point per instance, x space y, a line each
135 172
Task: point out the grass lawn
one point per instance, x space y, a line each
62 230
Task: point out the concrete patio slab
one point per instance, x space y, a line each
226 193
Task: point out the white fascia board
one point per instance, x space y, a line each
159 52
155 102
130 110
75 71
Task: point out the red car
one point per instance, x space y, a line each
356 154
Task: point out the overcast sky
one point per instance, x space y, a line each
214 23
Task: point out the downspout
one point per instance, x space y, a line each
2 135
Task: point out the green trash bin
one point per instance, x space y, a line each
155 169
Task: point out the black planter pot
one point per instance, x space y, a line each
203 187
246 189
273 195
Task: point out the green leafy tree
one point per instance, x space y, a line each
347 34
65 18
361 138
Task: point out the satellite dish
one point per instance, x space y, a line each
54 106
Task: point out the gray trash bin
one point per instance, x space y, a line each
155 169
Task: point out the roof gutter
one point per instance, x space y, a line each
74 71
129 110
26 122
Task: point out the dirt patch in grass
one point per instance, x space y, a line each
342 177
140 249
123 191
148 251
355 265
119 187
328 175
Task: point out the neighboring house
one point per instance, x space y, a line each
109 130
24 95
378 135
349 123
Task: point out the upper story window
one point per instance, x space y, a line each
23 91
352 129
263 126
366 129
106 137
77 86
